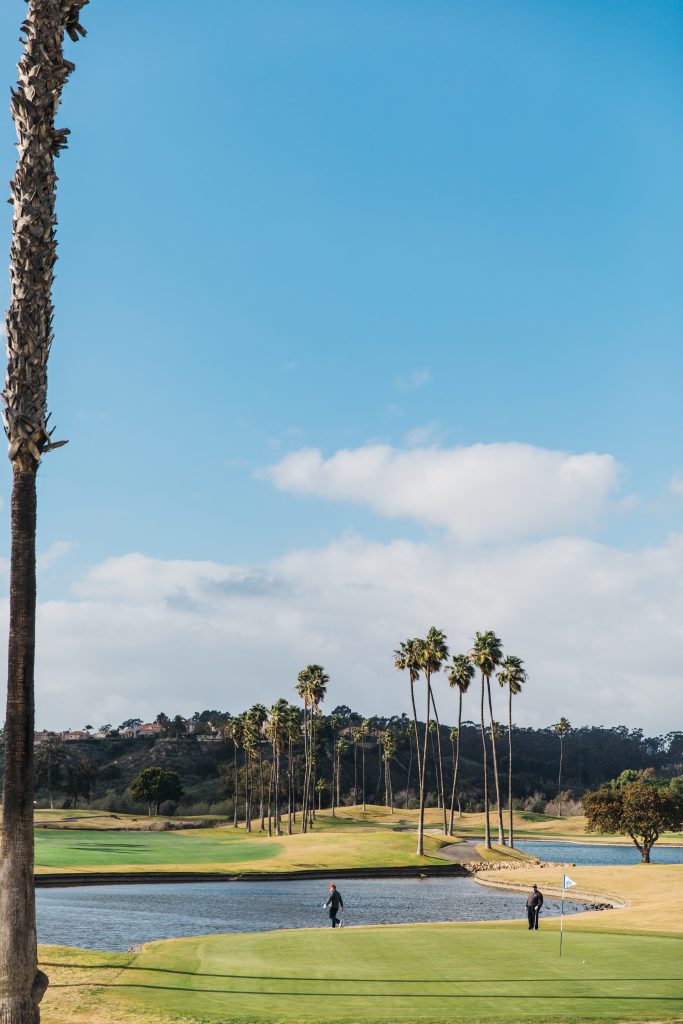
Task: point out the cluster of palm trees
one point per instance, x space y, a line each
424 657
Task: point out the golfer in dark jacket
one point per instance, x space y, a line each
334 903
534 902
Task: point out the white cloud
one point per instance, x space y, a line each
485 492
412 381
58 550
601 630
676 485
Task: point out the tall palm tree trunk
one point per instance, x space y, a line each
363 776
456 765
18 956
423 776
487 823
438 747
511 833
43 72
234 758
559 779
410 765
499 809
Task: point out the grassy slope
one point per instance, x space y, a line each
399 973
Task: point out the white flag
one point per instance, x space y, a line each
567 882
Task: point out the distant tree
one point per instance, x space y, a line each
106 729
81 774
641 810
320 788
176 728
49 759
154 785
130 723
561 729
164 721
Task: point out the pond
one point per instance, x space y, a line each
585 853
116 917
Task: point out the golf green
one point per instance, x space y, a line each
401 974
94 849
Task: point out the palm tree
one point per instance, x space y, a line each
342 750
460 673
362 732
292 727
311 686
513 675
410 733
408 657
234 731
433 653
334 722
561 729
276 733
258 716
486 655
43 72
389 749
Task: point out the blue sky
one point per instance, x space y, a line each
299 225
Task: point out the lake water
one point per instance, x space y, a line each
582 853
115 917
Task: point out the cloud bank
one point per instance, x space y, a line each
599 629
480 493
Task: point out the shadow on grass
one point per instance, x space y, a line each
380 981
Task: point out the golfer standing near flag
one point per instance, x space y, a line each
534 902
334 903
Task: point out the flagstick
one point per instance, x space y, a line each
561 920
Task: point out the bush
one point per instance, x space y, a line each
565 807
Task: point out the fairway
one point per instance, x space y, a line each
225 849
426 973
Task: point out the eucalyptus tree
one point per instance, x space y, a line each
561 729
513 676
433 653
460 673
42 75
486 655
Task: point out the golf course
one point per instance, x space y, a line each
622 964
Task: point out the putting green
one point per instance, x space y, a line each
391 974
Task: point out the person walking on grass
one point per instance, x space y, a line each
534 902
333 904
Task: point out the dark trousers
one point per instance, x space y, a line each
333 916
532 913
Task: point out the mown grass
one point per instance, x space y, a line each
227 850
424 973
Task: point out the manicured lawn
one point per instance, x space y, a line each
417 973
225 850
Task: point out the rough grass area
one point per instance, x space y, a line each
424 973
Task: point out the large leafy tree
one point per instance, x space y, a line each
561 729
154 785
513 676
460 674
49 759
42 74
486 655
639 809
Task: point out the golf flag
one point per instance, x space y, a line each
567 882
